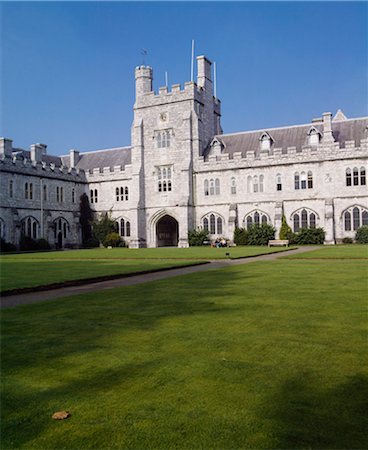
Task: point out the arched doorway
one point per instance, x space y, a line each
167 232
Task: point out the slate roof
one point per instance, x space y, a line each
120 156
294 136
48 159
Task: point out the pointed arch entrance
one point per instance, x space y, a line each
167 232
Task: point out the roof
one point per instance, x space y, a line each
294 136
48 159
119 156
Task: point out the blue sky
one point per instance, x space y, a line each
68 68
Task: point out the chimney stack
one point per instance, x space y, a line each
74 158
37 150
6 147
327 128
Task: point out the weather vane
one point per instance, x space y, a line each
144 54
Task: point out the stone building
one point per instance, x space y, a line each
181 172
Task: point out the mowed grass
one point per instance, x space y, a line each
265 355
354 251
36 269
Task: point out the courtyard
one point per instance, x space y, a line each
270 354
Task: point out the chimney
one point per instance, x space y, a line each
143 80
204 79
327 128
74 158
37 150
6 147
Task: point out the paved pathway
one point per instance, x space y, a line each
33 297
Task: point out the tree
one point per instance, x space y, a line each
285 230
86 218
104 226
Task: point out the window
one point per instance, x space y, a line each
364 217
212 187
127 193
261 179
296 181
30 191
206 188
304 218
44 188
93 193
163 138
265 142
278 182
124 228
310 180
61 226
249 184
313 137
233 186
255 183
29 227
73 195
347 221
26 191
117 194
58 194
355 217
217 186
121 193
255 218
213 223
362 176
164 179
11 185
303 181
348 177
355 176
61 194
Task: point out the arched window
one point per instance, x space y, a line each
233 186
365 217
206 190
61 226
347 221
44 192
261 179
304 219
264 219
122 227
127 226
249 184
362 176
212 187
11 189
296 181
213 223
117 194
303 181
126 193
310 180
278 182
355 176
217 186
296 222
356 218
29 227
312 220
348 177
256 218
255 183
249 222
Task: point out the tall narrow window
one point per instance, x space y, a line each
261 179
61 194
126 193
264 219
355 176
310 180
233 186
296 223
296 181
90 196
278 182
312 220
64 230
365 218
212 224
362 176
249 222
26 195
217 186
44 192
348 177
356 218
30 191
205 224
219 225
212 187
255 183
303 181
249 184
304 219
256 218
58 195
347 220
11 188
122 227
206 189
96 195
117 194
121 193
127 229
73 195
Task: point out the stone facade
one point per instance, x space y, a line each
181 172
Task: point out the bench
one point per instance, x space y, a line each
278 243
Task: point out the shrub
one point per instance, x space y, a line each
347 240
240 236
310 236
26 243
91 243
112 240
104 226
197 237
42 244
285 230
361 235
260 234
6 246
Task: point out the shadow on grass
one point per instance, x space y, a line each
309 415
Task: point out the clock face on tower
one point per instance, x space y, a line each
163 117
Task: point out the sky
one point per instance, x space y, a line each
67 72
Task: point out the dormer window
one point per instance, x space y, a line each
265 141
314 136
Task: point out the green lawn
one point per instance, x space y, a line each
21 273
35 269
265 355
354 251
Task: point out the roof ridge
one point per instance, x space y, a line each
101 150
